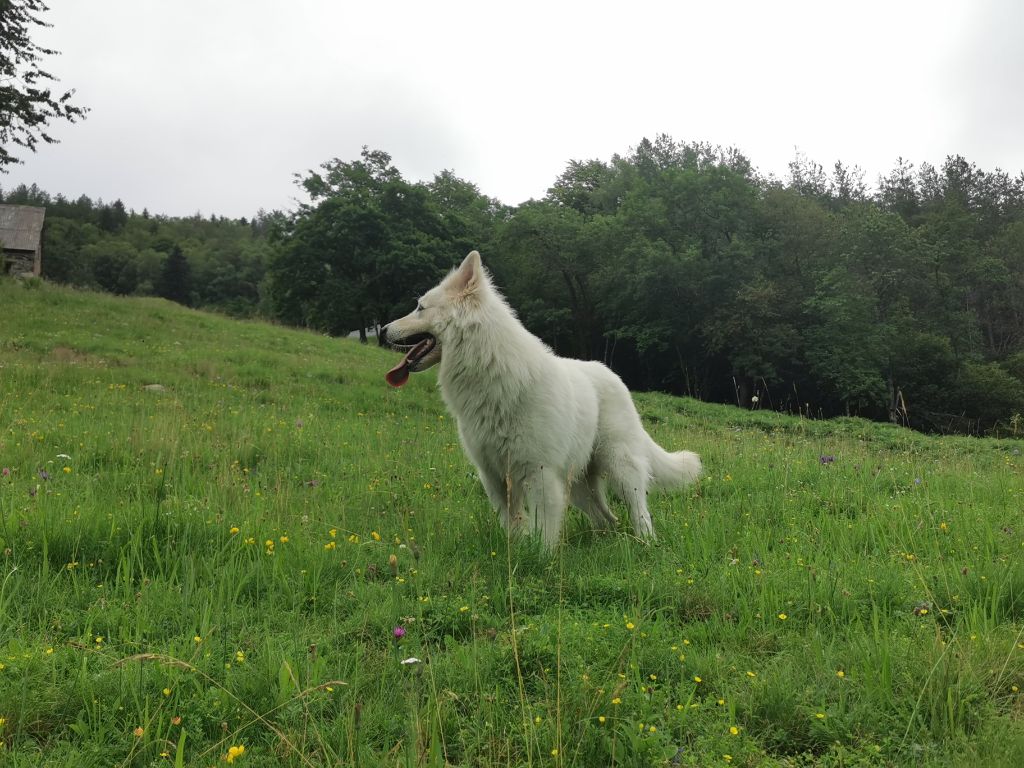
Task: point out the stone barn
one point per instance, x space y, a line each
21 240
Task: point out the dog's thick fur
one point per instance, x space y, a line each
542 430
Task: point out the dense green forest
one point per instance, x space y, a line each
215 263
679 265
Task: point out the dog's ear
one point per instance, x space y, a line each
469 276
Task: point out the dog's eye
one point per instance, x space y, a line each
419 306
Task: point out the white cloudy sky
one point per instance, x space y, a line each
212 105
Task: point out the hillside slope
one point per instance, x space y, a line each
211 532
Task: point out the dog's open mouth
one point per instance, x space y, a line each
416 347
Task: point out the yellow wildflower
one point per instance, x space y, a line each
234 752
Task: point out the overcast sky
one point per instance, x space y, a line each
213 105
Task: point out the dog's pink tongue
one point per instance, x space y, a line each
398 375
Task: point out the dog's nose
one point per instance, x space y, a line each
382 336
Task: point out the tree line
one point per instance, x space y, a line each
678 264
215 263
686 270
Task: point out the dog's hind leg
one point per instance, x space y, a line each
546 499
589 495
630 481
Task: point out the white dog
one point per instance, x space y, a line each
541 429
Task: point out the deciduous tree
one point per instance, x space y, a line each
27 103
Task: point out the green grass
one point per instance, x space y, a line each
208 565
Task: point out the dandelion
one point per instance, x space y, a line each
783 617
734 730
727 758
353 538
820 715
630 626
234 530
234 752
197 639
601 719
330 545
751 674
537 720
375 536
99 640
240 657
697 679
554 753
167 691
284 539
616 701
333 533
840 674
67 470
653 677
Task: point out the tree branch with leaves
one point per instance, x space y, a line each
27 104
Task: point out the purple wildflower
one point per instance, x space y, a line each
5 472
44 475
399 632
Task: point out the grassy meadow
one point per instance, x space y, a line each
212 532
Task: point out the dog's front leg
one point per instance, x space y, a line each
546 498
506 497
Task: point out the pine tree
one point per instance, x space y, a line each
176 278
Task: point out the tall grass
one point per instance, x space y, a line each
221 561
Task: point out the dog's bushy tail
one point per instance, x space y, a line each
670 470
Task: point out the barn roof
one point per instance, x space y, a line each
20 227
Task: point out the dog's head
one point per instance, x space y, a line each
420 333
